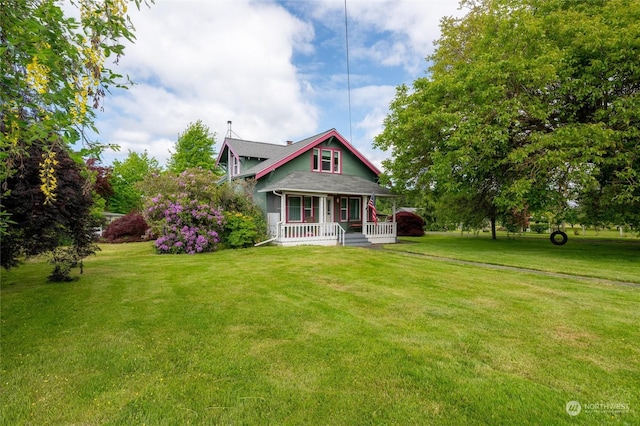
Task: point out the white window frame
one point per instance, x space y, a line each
307 209
235 165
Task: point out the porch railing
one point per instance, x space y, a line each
311 233
381 231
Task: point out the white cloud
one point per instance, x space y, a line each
379 99
409 27
275 69
214 61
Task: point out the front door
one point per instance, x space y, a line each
329 217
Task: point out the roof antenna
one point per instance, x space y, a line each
231 132
346 36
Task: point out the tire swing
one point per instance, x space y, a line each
559 242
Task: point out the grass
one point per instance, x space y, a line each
313 335
608 258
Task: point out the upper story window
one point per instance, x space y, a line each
235 165
327 160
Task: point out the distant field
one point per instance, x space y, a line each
326 335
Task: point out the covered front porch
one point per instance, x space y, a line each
333 233
306 208
307 218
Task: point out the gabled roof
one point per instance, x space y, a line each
252 149
277 155
326 183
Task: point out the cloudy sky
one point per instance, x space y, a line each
276 69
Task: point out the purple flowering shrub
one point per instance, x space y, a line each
187 214
184 225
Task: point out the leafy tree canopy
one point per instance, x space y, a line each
528 104
54 72
126 176
101 178
194 149
40 224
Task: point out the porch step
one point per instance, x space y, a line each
356 239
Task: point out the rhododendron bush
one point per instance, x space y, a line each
182 215
190 213
184 225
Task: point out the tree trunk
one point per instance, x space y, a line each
493 228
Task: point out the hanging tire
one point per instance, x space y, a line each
559 242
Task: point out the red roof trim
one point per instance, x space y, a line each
321 138
224 144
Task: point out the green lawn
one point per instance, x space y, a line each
590 256
313 335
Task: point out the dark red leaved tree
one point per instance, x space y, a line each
62 227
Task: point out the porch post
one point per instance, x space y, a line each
365 210
283 208
322 209
394 209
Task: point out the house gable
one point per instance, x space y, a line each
259 159
329 138
239 155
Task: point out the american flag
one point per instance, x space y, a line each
372 208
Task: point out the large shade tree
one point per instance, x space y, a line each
528 105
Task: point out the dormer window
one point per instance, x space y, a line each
327 160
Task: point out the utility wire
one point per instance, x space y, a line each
346 36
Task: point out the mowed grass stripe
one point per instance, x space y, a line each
611 259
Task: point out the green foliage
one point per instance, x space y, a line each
240 230
191 185
64 259
529 104
539 228
125 177
194 149
190 194
54 73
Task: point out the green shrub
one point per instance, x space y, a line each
240 230
539 228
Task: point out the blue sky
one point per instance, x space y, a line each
276 69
